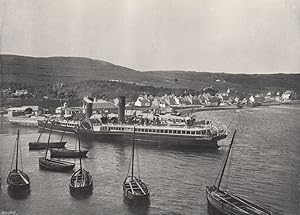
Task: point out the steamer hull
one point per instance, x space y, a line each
58 126
158 139
205 136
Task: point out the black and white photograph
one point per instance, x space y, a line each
150 107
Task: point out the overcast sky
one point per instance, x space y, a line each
233 36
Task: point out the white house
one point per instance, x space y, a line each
288 95
142 102
20 93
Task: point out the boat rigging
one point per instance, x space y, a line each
227 202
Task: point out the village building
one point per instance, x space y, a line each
68 111
21 93
171 100
100 106
24 111
142 101
159 103
288 95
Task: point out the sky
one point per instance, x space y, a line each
232 36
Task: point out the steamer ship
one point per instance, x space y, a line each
201 134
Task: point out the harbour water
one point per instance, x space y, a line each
264 167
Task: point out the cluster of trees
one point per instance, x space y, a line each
77 90
110 90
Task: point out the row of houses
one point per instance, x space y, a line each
15 94
173 100
207 99
274 96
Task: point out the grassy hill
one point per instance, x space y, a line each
87 76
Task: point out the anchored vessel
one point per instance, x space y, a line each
54 164
204 134
134 188
68 153
81 181
17 179
59 125
43 145
229 203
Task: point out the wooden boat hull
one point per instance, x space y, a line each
67 153
43 145
81 182
131 197
55 165
18 180
135 196
232 204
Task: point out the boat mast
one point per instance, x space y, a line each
79 154
64 131
223 169
42 130
48 140
132 161
17 150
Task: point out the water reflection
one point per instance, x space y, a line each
213 211
18 194
81 196
137 207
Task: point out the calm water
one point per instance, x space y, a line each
265 168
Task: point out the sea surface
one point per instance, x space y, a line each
264 167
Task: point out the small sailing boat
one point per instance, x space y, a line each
68 153
229 203
43 145
17 179
134 188
81 181
54 164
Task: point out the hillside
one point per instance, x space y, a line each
33 72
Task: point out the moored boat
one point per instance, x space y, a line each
54 164
68 153
134 189
81 181
228 203
202 135
17 179
44 145
59 125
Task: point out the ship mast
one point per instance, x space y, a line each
48 141
17 151
223 168
132 161
79 154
